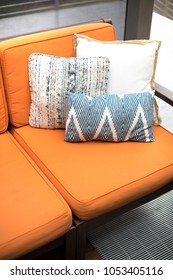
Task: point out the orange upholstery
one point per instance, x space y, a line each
3 108
14 55
96 177
32 212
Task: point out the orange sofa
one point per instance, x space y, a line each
97 180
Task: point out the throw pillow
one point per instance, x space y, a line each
132 63
113 118
50 77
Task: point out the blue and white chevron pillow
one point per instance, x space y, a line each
113 118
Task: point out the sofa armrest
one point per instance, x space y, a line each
164 93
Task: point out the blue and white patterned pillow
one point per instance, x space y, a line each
113 118
50 77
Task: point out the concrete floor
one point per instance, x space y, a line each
161 29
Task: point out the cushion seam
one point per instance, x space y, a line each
134 181
45 168
47 182
4 103
41 227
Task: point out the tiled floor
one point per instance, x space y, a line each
91 253
144 233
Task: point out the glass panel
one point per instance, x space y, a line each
15 7
162 29
35 15
72 1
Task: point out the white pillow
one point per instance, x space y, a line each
132 63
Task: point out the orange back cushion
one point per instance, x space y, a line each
14 55
3 108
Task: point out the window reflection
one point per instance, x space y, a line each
162 29
22 17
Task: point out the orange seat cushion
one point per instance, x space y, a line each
32 212
96 177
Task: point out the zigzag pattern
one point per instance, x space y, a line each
114 118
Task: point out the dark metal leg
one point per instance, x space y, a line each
70 244
80 239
